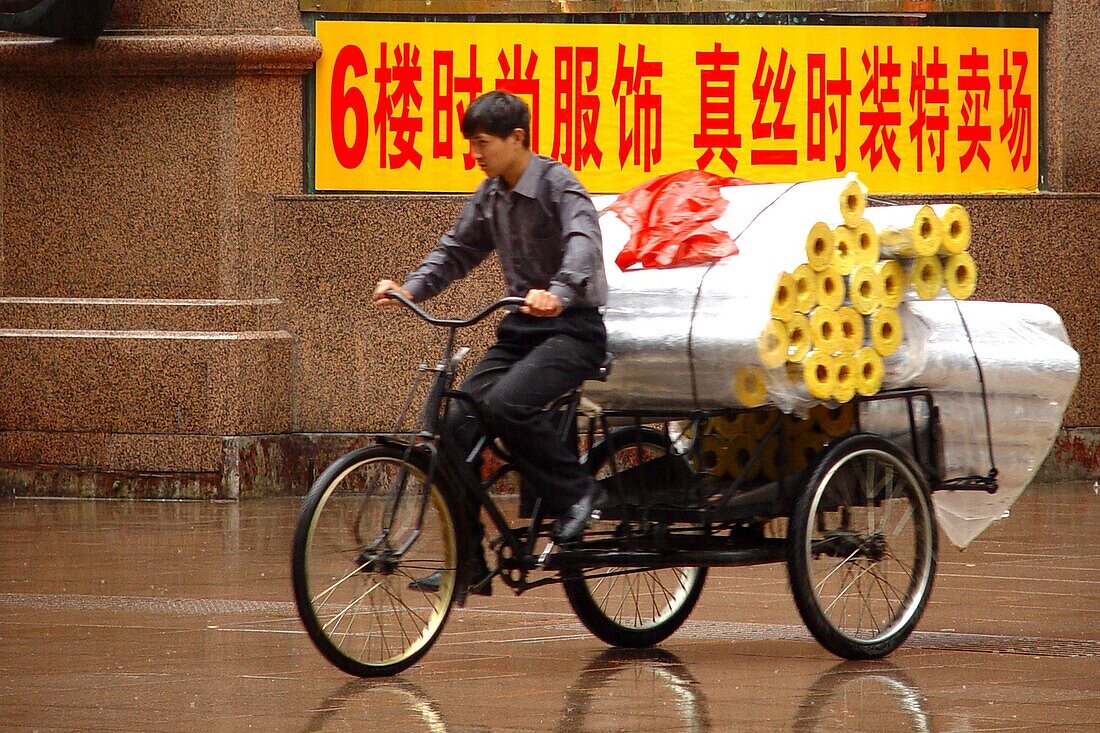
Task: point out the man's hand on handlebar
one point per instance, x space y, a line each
541 303
382 290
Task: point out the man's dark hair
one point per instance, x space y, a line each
497 113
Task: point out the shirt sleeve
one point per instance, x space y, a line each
459 250
580 280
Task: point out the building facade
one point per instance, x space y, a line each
182 314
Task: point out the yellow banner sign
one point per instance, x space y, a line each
911 109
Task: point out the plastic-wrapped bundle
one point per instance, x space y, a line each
682 337
1023 349
713 336
1030 371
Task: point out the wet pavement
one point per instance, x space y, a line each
156 616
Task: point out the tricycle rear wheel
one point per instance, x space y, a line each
862 548
632 607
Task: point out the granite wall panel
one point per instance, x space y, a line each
355 361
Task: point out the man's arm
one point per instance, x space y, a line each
459 250
580 280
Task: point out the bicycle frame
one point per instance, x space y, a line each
729 506
429 430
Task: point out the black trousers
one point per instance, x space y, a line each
534 361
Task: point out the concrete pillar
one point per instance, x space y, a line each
142 354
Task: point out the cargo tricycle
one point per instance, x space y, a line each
850 514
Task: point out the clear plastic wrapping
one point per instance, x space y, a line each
1030 371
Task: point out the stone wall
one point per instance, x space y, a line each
177 319
137 177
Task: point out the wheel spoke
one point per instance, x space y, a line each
335 620
322 597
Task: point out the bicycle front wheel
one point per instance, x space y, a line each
370 526
862 548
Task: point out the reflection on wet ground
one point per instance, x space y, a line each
178 617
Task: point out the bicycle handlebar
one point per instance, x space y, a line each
455 322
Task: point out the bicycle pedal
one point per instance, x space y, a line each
545 553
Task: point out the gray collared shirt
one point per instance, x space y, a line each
544 230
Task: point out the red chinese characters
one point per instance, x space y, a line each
827 98
394 111
772 87
576 106
928 99
974 83
639 108
518 77
451 95
884 117
717 114
915 104
1015 130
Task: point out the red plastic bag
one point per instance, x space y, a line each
670 220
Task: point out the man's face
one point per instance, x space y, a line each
495 156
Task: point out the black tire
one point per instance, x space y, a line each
352 577
862 548
631 607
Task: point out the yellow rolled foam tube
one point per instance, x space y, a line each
846 252
722 426
805 450
832 421
851 329
819 374
956 228
886 331
960 275
784 300
830 287
865 289
826 329
867 244
794 425
906 231
772 344
869 371
820 246
769 461
799 338
749 386
714 455
740 450
759 423
925 276
853 200
805 288
891 282
845 388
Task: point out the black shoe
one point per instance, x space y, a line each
481 578
574 520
